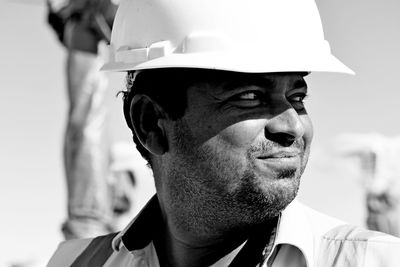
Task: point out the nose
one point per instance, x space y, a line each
285 127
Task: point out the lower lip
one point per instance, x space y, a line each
284 162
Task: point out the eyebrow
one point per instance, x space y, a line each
300 84
240 81
262 82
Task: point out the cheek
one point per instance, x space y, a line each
243 134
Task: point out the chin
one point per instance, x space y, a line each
265 199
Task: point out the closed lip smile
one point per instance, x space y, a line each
279 155
275 160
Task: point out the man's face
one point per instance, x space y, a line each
237 154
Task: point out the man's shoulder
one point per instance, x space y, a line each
82 250
348 232
344 244
350 243
331 228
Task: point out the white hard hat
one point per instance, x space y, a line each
234 35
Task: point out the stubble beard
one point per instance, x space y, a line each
211 194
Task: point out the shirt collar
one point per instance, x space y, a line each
295 229
148 218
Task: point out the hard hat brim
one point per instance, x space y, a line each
249 63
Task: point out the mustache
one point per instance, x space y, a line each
270 147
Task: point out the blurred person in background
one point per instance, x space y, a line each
379 158
81 26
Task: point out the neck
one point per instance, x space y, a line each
178 248
176 251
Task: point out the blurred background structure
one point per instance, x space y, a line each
34 104
379 163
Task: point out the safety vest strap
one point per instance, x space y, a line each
96 253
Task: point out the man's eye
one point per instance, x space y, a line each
248 96
297 98
247 99
297 101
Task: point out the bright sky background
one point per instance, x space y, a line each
363 33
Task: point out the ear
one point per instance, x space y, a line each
146 117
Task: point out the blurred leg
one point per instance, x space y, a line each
86 149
